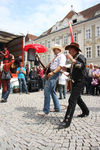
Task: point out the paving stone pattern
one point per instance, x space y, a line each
21 128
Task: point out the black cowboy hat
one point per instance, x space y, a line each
73 45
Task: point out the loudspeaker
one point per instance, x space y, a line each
31 55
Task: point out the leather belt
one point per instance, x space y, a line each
52 70
73 81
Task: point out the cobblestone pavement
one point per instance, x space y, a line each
21 128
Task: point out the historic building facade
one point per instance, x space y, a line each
86 31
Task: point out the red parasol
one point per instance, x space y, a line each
37 47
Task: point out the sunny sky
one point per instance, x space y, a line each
36 16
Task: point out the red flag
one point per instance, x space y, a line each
71 31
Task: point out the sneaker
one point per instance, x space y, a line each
60 98
3 100
57 110
53 110
27 93
42 113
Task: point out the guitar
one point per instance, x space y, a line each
46 69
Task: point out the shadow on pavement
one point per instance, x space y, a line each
53 118
32 113
93 109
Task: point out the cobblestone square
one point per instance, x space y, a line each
21 128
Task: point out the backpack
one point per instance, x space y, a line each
6 75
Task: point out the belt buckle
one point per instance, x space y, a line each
73 81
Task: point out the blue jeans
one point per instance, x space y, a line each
62 90
49 88
6 94
22 83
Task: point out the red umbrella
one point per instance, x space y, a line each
37 47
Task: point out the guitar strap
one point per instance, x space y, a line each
51 61
48 66
72 70
73 64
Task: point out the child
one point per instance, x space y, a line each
62 84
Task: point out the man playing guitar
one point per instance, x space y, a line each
50 84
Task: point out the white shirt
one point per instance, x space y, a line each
60 60
90 72
63 78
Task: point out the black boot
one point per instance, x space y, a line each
83 115
64 124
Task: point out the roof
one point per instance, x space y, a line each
30 36
69 15
6 37
90 12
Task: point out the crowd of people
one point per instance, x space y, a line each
80 78
92 81
24 75
35 73
30 77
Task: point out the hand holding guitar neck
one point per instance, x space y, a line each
37 56
46 69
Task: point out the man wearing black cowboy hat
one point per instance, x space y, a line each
77 79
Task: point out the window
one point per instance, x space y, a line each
65 39
75 37
57 41
98 51
48 44
88 52
74 21
98 31
88 34
97 13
